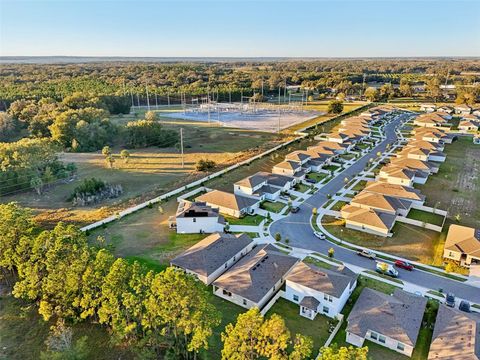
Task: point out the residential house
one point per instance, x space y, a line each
374 201
392 321
416 165
432 120
254 279
425 145
318 290
394 190
429 108
469 125
290 168
230 204
462 245
368 220
456 335
264 185
445 110
212 256
338 137
197 217
298 156
397 175
463 109
418 153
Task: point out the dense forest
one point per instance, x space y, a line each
117 84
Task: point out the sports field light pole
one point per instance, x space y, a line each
148 99
181 146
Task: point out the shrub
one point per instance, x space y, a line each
205 165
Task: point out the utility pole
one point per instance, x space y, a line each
133 104
181 146
148 100
262 86
168 99
156 100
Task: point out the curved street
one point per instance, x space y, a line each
296 227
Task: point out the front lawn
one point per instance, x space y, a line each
275 207
338 205
332 168
360 185
317 176
301 188
425 217
318 263
316 329
246 220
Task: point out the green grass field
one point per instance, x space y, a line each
426 217
275 207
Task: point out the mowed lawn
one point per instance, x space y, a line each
316 329
409 241
148 173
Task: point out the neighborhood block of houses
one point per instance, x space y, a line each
419 158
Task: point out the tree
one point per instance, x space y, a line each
8 126
125 155
151 116
371 94
253 336
343 353
110 160
205 165
335 107
433 88
331 252
405 88
314 211
277 237
60 344
37 184
387 91
106 151
179 308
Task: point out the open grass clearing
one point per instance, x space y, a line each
148 173
332 168
425 217
272 206
360 185
456 186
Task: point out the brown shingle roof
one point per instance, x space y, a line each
227 200
400 191
463 239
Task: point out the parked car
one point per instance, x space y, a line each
386 269
310 181
319 235
450 300
295 209
464 306
404 265
367 254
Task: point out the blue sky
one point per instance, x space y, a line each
240 28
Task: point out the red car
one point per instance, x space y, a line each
404 265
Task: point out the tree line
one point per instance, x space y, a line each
163 314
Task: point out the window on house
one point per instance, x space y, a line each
400 347
382 339
295 297
225 265
373 335
325 309
194 220
234 258
244 302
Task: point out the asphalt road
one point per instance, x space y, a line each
296 227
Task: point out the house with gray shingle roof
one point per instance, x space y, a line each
264 185
253 280
318 290
212 256
230 204
195 218
456 335
392 321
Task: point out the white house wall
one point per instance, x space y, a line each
197 225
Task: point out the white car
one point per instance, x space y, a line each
319 235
